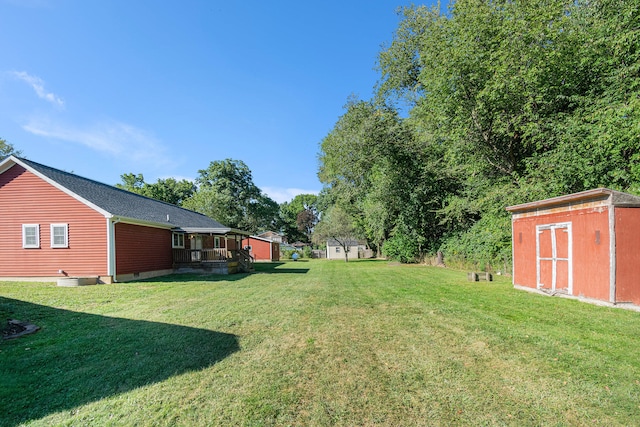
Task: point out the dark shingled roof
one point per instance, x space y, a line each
122 203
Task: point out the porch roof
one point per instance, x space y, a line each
212 230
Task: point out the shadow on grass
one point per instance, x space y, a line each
194 277
78 358
276 267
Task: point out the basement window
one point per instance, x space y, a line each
31 236
59 235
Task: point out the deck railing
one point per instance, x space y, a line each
200 255
195 257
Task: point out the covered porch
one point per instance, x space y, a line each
210 251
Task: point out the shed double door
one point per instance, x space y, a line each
553 253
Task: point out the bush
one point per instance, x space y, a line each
401 247
307 252
288 254
486 245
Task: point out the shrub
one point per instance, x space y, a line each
401 247
306 252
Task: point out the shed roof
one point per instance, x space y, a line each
262 239
115 202
349 242
612 197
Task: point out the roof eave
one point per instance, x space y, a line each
615 198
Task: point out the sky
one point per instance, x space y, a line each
164 87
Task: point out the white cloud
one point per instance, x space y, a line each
37 84
111 137
282 195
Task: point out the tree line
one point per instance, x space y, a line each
486 105
226 192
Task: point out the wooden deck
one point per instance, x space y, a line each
205 259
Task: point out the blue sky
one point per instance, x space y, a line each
162 88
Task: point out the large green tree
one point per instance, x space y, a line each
505 102
298 217
384 173
167 190
226 192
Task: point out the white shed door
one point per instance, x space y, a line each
553 253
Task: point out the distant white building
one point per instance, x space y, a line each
336 251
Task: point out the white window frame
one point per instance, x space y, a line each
180 244
64 244
216 242
26 245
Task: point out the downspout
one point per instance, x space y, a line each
111 247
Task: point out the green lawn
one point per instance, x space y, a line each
316 343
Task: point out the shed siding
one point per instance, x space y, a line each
140 249
590 254
332 254
27 199
261 250
627 255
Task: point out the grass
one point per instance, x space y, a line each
316 343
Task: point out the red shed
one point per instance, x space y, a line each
262 249
585 244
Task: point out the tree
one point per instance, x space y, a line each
133 183
306 220
226 192
7 150
353 156
526 100
171 190
507 102
295 227
338 225
167 190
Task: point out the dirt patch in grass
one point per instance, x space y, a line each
15 328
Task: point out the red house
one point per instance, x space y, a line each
56 224
262 249
584 245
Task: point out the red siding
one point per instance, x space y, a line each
590 256
261 250
627 255
140 249
27 199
